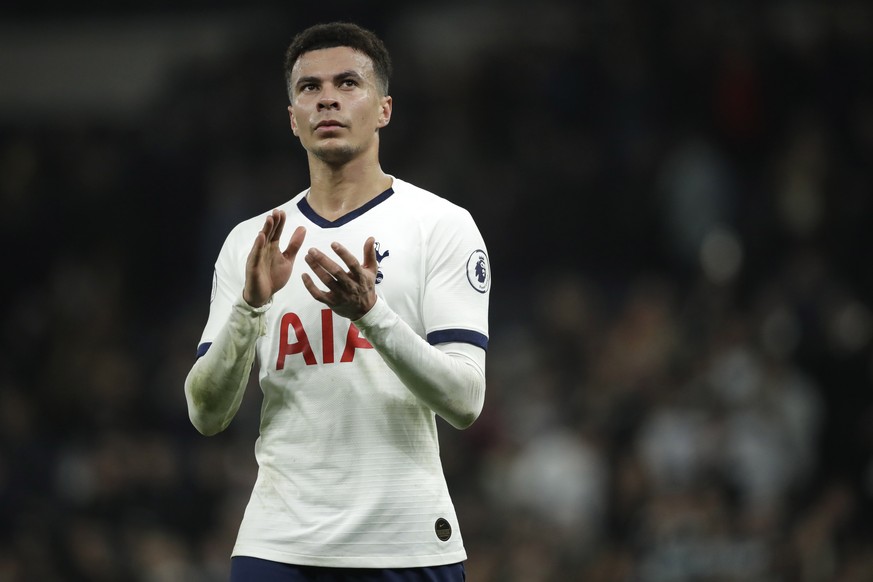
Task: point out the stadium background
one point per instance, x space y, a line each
677 201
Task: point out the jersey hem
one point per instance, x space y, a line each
351 561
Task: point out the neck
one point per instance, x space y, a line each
336 190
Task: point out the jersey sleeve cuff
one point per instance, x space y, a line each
244 308
379 316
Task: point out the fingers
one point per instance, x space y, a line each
349 293
348 258
356 268
324 267
328 271
257 248
280 224
314 290
295 242
274 224
370 261
269 233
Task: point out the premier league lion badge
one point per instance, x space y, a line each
479 271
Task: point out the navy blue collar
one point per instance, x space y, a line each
318 220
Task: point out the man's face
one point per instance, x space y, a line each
336 107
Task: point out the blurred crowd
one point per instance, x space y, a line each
678 202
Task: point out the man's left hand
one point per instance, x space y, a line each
350 293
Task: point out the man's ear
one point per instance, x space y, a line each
292 119
385 108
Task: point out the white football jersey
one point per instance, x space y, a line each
349 470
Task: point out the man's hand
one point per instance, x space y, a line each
268 268
350 293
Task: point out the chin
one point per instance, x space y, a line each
334 155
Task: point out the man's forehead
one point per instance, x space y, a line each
332 61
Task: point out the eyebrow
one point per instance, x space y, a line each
349 74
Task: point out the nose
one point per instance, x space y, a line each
328 99
326 103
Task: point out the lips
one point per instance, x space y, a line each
329 124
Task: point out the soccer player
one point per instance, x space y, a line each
357 353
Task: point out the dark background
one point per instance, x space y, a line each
676 197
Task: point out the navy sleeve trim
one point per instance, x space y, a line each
466 336
202 349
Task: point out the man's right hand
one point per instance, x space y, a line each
268 268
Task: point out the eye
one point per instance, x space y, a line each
348 83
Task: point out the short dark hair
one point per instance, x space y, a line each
334 34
